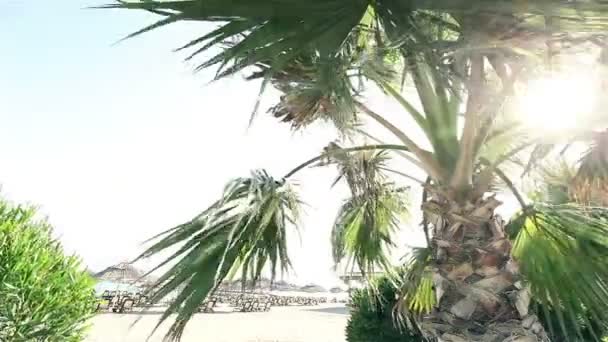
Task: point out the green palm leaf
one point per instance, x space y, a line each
366 222
417 295
364 227
562 252
246 229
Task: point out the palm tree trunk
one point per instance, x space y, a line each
480 296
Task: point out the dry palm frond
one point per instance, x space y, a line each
590 184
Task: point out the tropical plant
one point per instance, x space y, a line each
372 318
371 315
44 294
466 60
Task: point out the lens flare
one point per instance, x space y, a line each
558 102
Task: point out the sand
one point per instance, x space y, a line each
321 323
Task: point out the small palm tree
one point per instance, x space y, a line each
466 60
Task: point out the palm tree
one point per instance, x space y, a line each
466 60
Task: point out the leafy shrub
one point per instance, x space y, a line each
371 317
45 296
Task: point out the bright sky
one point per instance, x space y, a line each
117 143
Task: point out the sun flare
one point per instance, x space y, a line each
558 102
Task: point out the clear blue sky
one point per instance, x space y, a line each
116 143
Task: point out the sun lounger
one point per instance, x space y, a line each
245 307
208 306
114 303
255 306
126 306
267 306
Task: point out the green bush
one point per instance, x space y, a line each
371 316
45 296
371 320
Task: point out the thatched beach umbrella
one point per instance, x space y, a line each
123 276
123 272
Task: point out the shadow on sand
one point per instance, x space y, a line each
338 310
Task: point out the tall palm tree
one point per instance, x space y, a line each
465 59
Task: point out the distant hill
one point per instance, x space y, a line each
312 288
262 284
336 290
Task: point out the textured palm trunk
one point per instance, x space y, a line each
480 296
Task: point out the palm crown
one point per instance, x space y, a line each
465 60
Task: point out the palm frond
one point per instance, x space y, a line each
306 50
563 182
562 253
551 182
367 220
247 229
362 170
324 87
416 292
364 228
590 184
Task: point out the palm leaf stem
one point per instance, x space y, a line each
348 149
509 184
399 153
464 166
425 221
429 164
402 174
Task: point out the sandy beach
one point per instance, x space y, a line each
321 323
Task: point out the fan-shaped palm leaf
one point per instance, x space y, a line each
246 229
562 252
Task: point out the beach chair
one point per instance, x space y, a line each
143 300
127 305
207 306
239 302
136 299
267 306
255 306
201 308
238 307
114 303
245 307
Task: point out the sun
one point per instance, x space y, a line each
558 102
